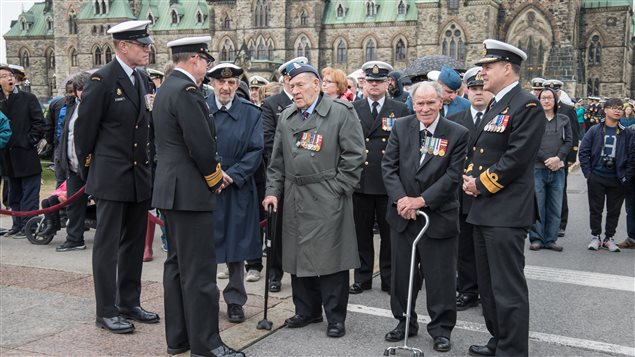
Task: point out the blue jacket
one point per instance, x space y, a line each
5 131
590 149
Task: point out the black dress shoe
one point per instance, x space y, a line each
235 313
358 288
115 324
178 350
274 286
442 344
137 313
464 301
399 333
335 329
301 321
476 350
222 351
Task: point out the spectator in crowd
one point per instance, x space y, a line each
395 87
579 112
52 219
549 174
352 85
451 83
5 132
603 159
537 85
255 83
76 210
269 90
55 120
361 84
20 161
628 119
334 84
156 77
629 242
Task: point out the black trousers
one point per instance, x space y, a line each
367 208
275 254
24 195
435 261
500 261
310 294
118 254
466 282
599 189
76 210
564 215
189 279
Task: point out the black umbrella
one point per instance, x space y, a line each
422 65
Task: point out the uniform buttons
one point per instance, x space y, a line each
474 148
383 140
135 145
136 126
148 126
480 168
147 162
482 151
366 163
135 163
367 151
367 139
383 151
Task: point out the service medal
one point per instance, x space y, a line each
443 147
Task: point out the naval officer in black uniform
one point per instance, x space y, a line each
271 109
499 174
377 113
187 178
111 139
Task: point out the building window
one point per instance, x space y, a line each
401 8
304 18
74 62
371 10
97 57
103 7
175 17
252 50
152 57
97 8
535 57
595 51
108 54
24 58
400 50
260 51
72 23
262 14
94 31
270 51
596 87
23 25
199 17
340 11
453 44
227 53
453 4
371 50
227 23
304 48
101 29
340 56
50 59
49 24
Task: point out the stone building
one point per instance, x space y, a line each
588 44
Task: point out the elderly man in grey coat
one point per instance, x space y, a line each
316 163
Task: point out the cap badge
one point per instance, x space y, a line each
484 49
375 69
296 65
478 77
119 92
226 72
254 81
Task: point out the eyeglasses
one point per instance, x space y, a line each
145 46
10 75
615 108
208 61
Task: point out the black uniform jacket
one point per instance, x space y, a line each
503 161
465 118
376 134
111 136
188 169
19 158
271 109
569 111
437 179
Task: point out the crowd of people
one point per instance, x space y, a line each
339 158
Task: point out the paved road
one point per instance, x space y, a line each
581 305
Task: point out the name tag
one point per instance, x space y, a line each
120 99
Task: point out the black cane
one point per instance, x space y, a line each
270 234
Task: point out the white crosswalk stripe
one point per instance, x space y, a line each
584 278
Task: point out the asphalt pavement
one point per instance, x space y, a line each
581 304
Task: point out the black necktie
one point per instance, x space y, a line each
442 111
305 114
479 116
136 78
223 109
374 112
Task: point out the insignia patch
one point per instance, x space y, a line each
119 92
95 78
505 110
529 105
191 89
478 77
484 50
254 81
226 72
375 69
296 65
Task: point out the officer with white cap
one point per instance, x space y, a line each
111 141
499 173
156 76
271 109
537 84
255 82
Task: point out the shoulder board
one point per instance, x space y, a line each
191 88
95 77
529 105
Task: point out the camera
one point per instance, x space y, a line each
608 162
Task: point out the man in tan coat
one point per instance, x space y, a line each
316 164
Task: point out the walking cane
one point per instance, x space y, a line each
415 351
270 234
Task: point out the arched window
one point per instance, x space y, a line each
108 54
97 8
453 4
50 59
227 23
74 62
535 52
304 48
24 58
199 17
596 87
400 50
227 52
401 8
270 51
260 51
341 52
101 29
23 25
49 24
261 14
94 31
371 50
97 57
371 10
152 57
252 49
103 7
340 11
304 18
453 43
175 17
595 51
72 22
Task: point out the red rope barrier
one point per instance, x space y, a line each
44 210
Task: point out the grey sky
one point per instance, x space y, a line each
10 10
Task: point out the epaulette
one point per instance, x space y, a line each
529 105
95 77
